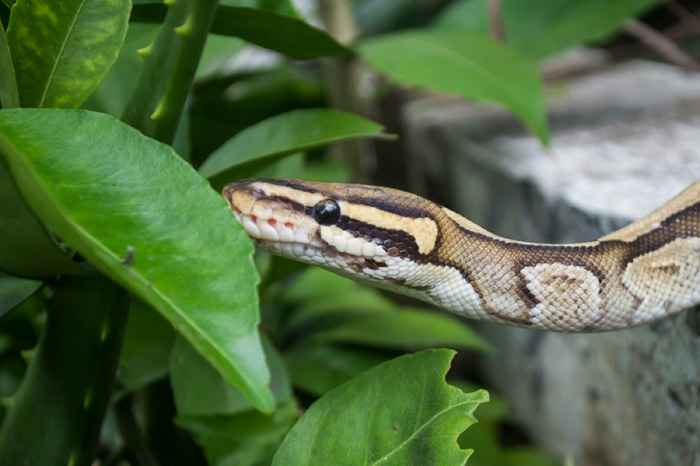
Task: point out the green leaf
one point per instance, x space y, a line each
403 328
266 142
148 341
245 439
538 28
465 64
145 218
212 395
281 32
62 50
8 82
399 413
319 368
14 290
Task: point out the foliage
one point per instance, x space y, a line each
131 299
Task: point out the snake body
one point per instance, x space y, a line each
405 243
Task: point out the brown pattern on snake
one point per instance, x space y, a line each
639 273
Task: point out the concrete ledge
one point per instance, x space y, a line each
625 140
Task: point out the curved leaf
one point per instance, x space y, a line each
139 213
62 50
262 144
469 65
399 413
272 30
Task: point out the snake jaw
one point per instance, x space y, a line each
269 222
288 229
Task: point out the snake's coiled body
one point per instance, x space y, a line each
405 243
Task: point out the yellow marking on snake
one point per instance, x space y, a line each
402 242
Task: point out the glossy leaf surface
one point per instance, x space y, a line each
401 412
266 142
465 64
63 49
145 218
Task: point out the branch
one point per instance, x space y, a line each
59 408
496 25
170 65
666 48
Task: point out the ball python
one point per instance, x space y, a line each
404 243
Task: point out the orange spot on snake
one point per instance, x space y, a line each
289 224
272 222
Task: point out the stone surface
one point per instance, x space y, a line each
625 140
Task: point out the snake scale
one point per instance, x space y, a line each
405 243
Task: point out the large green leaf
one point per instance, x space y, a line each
8 83
268 28
14 290
399 413
261 145
465 64
538 28
144 217
62 50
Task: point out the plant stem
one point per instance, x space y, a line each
665 47
56 416
496 26
342 75
169 69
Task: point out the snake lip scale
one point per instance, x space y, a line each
402 242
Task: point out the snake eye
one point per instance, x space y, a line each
327 212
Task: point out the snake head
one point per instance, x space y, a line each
353 229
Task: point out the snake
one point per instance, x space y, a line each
404 243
